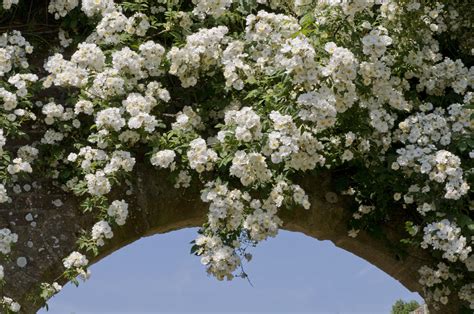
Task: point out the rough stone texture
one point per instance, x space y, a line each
159 208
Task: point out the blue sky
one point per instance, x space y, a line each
291 273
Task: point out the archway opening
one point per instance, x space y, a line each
291 273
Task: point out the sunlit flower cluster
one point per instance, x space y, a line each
9 304
200 54
100 231
446 236
76 260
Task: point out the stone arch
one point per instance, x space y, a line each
291 273
159 208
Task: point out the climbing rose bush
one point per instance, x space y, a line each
245 97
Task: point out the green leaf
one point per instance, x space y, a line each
464 220
194 249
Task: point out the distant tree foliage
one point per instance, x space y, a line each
402 307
